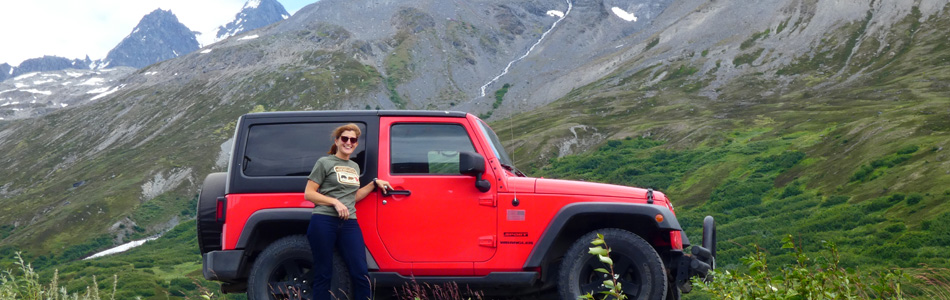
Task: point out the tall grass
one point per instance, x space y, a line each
25 284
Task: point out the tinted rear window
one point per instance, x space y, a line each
291 149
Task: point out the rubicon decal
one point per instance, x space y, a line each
516 234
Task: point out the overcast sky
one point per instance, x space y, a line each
75 28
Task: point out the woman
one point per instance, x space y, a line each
334 187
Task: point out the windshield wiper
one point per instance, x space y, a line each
514 170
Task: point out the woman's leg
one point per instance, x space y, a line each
353 251
322 234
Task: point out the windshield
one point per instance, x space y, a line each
495 144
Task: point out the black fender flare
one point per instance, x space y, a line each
282 215
568 212
270 215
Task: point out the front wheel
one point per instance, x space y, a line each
639 268
284 270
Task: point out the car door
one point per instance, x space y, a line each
435 214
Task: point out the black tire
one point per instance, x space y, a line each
284 271
672 292
640 268
209 230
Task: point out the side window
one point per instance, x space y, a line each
428 148
291 149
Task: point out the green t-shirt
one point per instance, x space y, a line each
338 178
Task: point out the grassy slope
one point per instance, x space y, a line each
874 171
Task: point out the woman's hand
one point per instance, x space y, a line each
383 185
341 210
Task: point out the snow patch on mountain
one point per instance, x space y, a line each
624 14
106 93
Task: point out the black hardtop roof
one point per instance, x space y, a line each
356 113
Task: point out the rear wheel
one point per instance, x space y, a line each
638 267
284 270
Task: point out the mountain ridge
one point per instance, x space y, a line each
24 98
255 14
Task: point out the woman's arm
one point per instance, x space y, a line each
364 191
311 194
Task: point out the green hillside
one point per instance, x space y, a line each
846 145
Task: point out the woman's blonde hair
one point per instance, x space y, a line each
339 131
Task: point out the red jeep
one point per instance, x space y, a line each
460 212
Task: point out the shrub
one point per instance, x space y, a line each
914 198
908 149
834 200
736 193
792 190
807 278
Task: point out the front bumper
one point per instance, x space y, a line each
702 260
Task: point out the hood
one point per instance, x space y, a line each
581 188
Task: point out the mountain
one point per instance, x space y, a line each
158 36
42 64
851 86
255 14
6 71
50 63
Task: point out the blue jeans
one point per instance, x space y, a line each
327 233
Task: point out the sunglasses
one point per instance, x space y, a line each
348 139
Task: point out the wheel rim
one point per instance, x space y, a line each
629 277
291 279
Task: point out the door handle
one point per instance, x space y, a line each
397 192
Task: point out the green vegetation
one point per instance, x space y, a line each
166 268
681 72
24 283
747 58
806 278
651 44
877 167
755 37
499 98
602 250
399 66
781 26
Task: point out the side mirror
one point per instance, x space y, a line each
473 164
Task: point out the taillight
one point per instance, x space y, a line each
222 207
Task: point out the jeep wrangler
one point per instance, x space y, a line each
459 212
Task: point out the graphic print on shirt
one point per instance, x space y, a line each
346 175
